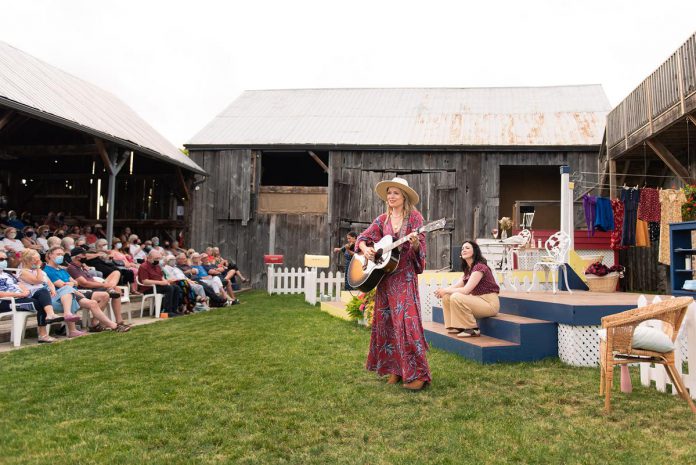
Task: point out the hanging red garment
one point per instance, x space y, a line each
649 205
617 207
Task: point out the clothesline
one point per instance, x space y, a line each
629 174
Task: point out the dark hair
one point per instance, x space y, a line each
478 257
353 234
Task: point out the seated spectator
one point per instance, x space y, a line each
63 300
212 281
4 220
218 271
90 237
99 231
150 273
230 266
61 279
68 243
75 232
51 221
42 234
29 239
156 245
53 241
12 246
38 300
193 292
135 250
125 234
27 219
175 249
191 273
13 221
109 286
190 252
59 233
124 262
60 221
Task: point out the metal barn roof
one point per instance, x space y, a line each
440 117
32 86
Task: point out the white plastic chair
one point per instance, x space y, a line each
556 250
154 298
125 298
19 320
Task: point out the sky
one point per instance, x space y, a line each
180 63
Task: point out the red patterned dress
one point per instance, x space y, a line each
617 207
397 343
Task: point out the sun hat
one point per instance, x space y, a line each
383 186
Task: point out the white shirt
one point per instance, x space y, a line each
14 244
43 243
173 272
132 248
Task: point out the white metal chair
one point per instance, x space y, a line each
154 298
556 251
512 246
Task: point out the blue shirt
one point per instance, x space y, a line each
202 273
8 283
55 274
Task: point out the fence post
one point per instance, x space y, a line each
271 279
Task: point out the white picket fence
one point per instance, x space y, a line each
325 286
686 352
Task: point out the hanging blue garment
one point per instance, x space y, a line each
631 198
589 204
604 215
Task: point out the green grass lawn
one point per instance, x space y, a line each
277 381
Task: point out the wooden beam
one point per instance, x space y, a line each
692 118
104 155
670 160
622 179
182 181
319 162
612 178
49 150
6 119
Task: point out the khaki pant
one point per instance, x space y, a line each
461 310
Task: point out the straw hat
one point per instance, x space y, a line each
383 186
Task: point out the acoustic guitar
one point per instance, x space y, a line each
364 274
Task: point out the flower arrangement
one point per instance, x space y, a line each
688 209
600 269
505 225
362 307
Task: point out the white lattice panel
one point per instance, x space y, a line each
426 289
578 345
608 255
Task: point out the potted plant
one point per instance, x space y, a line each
362 307
601 278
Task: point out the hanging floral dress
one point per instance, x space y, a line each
397 343
671 201
617 207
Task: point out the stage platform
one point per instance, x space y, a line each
526 329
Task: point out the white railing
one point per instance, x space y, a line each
686 352
297 281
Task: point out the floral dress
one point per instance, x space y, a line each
397 343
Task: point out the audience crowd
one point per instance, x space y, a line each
54 268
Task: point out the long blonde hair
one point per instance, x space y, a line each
27 258
408 208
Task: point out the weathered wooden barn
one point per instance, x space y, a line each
291 171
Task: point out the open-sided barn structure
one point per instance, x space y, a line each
291 171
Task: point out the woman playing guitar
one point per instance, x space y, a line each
397 343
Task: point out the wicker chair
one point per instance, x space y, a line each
617 350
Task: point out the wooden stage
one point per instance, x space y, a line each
579 298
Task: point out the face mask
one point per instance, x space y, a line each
60 235
29 233
35 267
71 247
156 262
155 243
172 263
12 235
59 260
3 264
119 245
102 247
46 233
13 217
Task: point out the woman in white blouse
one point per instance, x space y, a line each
12 246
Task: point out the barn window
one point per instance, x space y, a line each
534 189
294 182
294 168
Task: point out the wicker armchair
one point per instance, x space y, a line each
617 350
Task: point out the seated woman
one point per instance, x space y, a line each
39 299
474 295
231 268
193 292
31 275
30 240
43 232
12 246
124 262
202 276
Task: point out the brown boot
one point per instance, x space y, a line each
393 379
415 385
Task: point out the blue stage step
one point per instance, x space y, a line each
504 338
